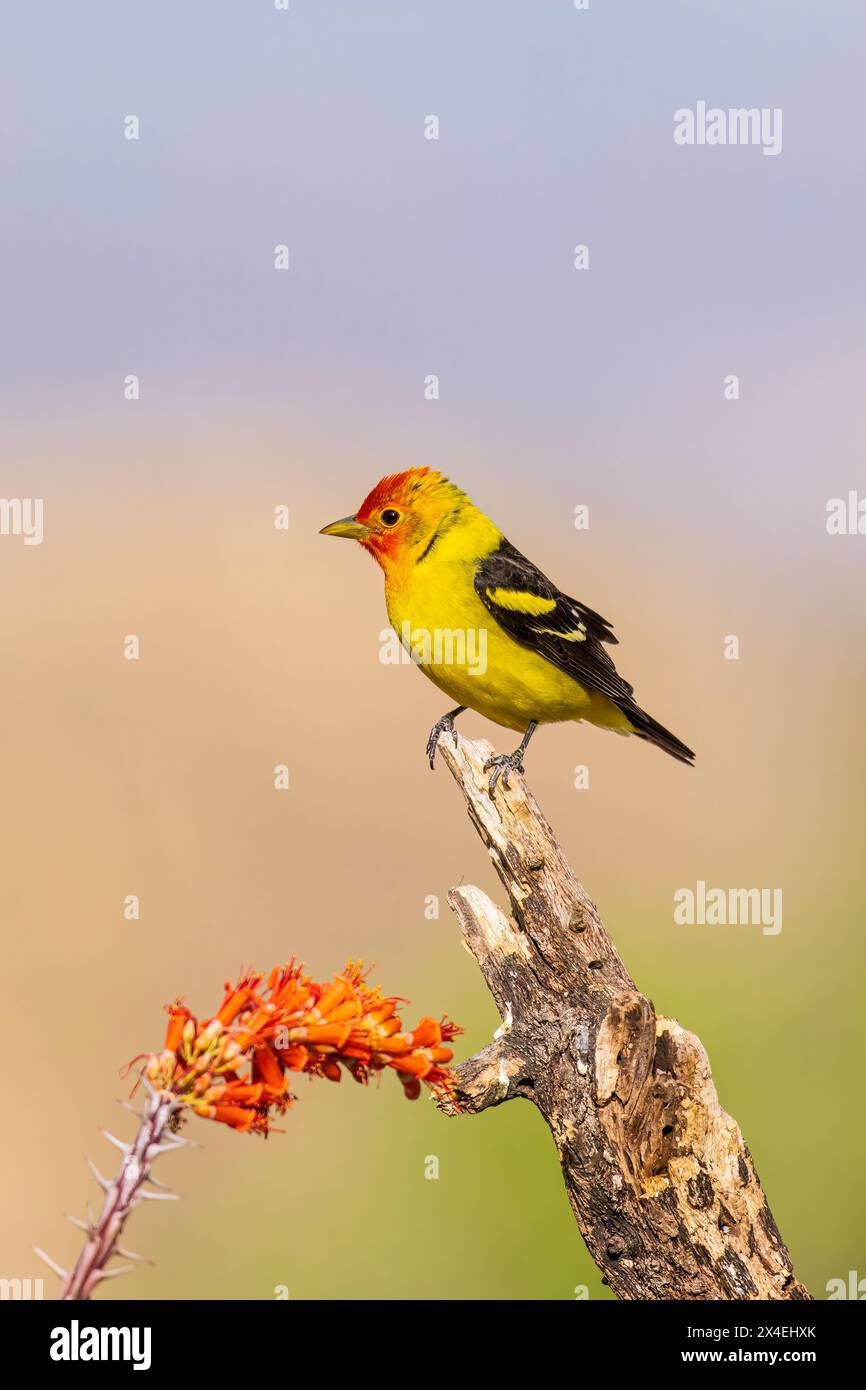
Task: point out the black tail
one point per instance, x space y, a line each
647 727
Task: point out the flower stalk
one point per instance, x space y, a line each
122 1195
234 1068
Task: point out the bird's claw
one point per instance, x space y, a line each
443 725
503 765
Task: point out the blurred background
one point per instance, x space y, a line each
558 388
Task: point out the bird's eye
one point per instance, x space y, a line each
390 517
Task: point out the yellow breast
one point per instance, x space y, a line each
441 621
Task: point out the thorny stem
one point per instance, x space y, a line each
121 1196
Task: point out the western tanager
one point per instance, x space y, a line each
450 573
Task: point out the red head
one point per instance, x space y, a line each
402 514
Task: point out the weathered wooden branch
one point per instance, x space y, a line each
659 1177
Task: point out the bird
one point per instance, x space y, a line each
451 573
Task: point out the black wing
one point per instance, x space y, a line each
536 613
529 606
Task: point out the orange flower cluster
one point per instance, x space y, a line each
233 1067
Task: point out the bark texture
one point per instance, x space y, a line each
659 1177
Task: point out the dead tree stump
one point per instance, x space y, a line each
659 1177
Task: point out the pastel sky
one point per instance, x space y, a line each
408 256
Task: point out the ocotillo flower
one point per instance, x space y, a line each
234 1068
